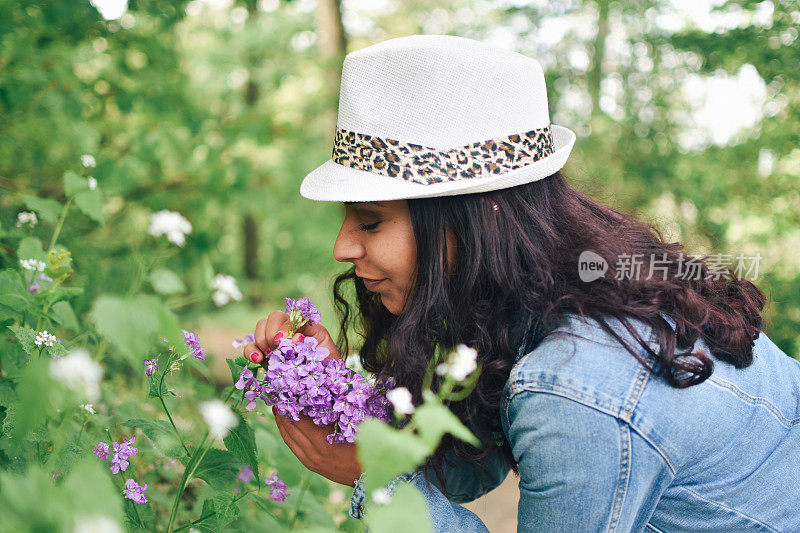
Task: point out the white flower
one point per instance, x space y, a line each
460 364
77 371
225 289
43 337
172 224
32 264
219 417
89 408
92 183
88 161
381 496
401 400
26 217
96 524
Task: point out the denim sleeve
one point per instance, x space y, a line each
467 481
580 469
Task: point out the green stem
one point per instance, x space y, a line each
178 433
191 466
265 508
299 503
60 224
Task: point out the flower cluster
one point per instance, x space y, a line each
151 365
193 342
135 492
219 417
92 183
300 381
77 371
461 363
43 337
88 161
119 459
27 217
32 264
225 290
301 311
119 463
277 488
172 224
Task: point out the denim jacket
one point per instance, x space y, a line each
603 445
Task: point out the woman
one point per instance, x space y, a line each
625 400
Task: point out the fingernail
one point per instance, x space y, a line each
255 357
300 337
278 336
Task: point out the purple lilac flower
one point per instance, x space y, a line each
151 365
304 308
300 381
135 492
34 287
43 277
101 450
245 474
193 342
119 461
277 488
126 447
238 343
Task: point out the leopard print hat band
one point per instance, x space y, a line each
424 165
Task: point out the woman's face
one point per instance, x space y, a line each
377 237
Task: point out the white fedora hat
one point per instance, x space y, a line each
438 115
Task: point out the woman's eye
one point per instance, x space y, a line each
368 227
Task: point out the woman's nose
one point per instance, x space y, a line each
347 248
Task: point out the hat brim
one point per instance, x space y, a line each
332 182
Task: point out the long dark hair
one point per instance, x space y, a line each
523 257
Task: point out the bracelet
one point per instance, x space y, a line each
357 499
359 494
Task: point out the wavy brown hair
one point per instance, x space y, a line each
523 258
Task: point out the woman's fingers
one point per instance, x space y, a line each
253 353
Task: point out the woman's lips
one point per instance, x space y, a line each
372 284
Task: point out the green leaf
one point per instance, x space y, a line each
385 452
236 366
218 469
74 184
91 203
26 338
241 442
160 433
48 209
226 512
34 391
433 420
65 316
31 248
14 294
406 512
165 281
129 324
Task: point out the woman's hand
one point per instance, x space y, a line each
278 322
336 462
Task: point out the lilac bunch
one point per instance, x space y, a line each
299 381
119 463
277 488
